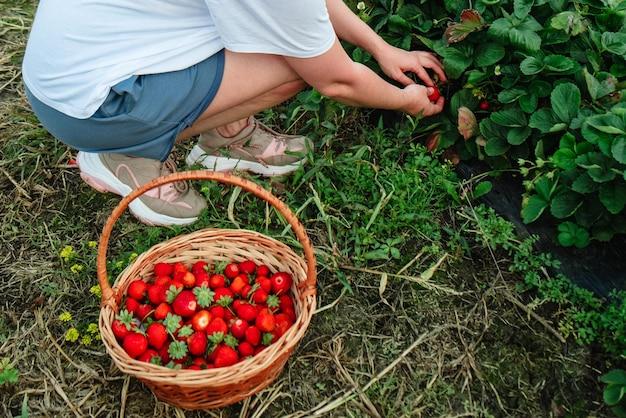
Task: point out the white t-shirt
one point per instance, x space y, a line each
78 49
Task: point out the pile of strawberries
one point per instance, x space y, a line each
202 319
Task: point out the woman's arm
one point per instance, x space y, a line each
393 61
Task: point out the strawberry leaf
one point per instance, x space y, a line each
171 293
220 266
185 331
471 21
172 322
231 341
216 338
273 301
204 295
156 360
225 301
267 338
125 318
173 366
177 350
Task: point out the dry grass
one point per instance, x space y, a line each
407 351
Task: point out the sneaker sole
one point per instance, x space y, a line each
199 156
96 175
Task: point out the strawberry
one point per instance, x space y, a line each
137 290
231 270
283 323
265 283
281 282
236 303
225 356
228 315
163 269
120 329
223 296
290 313
164 353
245 292
199 361
484 105
217 311
202 278
177 283
239 283
247 267
135 344
197 343
245 349
143 311
156 294
199 266
285 302
148 356
188 279
179 270
216 281
163 281
435 95
157 335
259 349
185 304
131 305
201 320
161 311
246 311
217 325
238 328
194 367
260 296
265 321
253 335
263 270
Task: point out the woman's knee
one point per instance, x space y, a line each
290 88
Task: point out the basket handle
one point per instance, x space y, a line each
110 296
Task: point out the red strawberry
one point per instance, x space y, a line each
285 302
163 269
137 290
265 283
131 305
177 283
179 269
236 303
119 329
194 367
245 349
245 292
201 320
185 304
265 321
484 105
283 323
216 281
135 344
225 356
238 284
217 325
221 293
199 266
164 353
238 328
199 361
290 313
202 279
189 280
197 343
163 281
228 315
253 335
281 282
157 335
247 267
217 312
246 311
143 311
259 349
156 294
161 311
263 270
435 95
148 355
231 270
260 296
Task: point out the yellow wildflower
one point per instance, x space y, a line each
67 253
132 257
92 328
86 340
65 317
92 244
95 290
72 335
77 268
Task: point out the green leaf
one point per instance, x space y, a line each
482 189
613 196
455 61
496 146
511 118
540 88
565 100
558 63
528 103
545 187
598 89
204 296
618 149
598 166
511 95
571 234
488 53
564 158
177 350
172 322
565 203
533 208
607 123
543 119
616 376
521 8
475 76
521 34
531 66
613 394
490 130
570 22
516 136
171 293
614 42
584 184
471 21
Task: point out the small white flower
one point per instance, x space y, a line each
360 5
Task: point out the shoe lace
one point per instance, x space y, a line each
171 191
278 141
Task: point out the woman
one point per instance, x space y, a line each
122 80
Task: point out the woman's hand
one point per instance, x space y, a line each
395 62
418 103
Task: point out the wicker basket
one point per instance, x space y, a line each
211 388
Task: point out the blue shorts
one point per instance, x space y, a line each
142 115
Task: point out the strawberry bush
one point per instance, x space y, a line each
534 85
